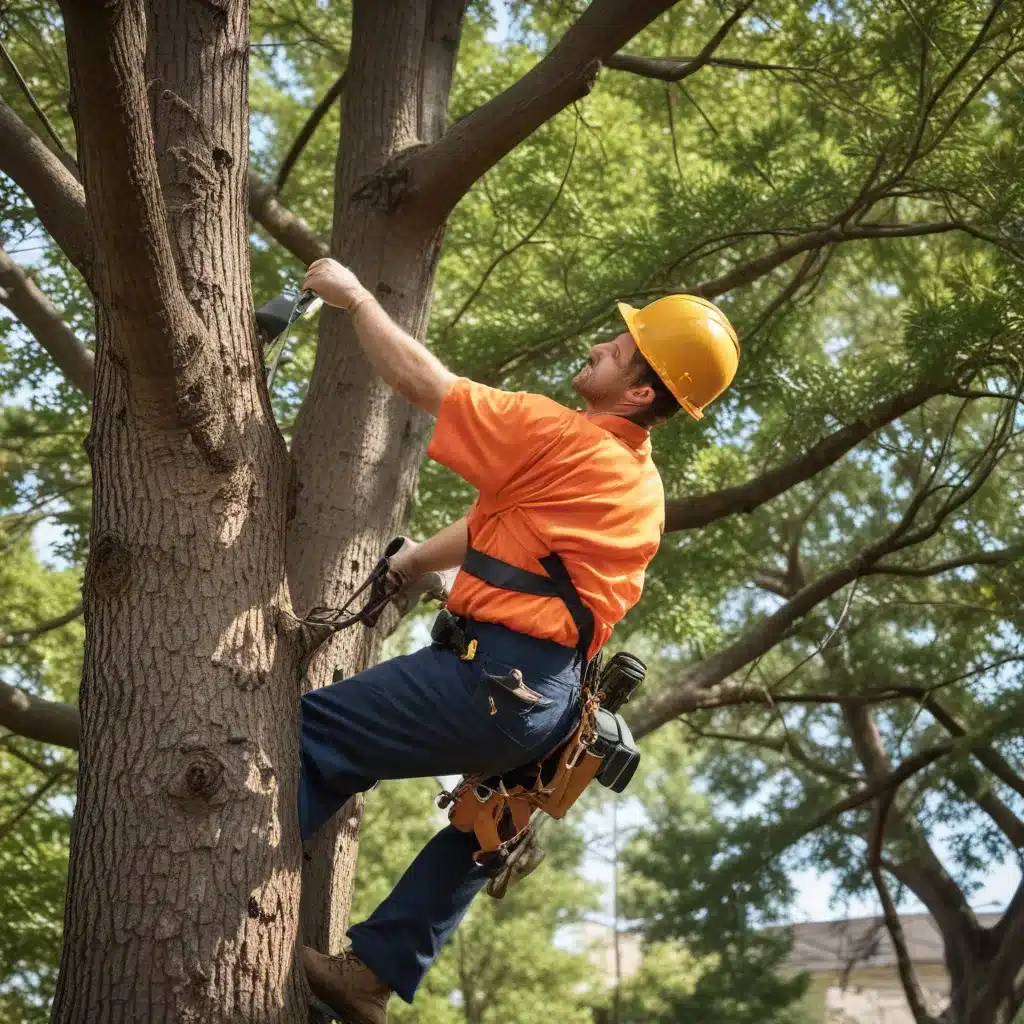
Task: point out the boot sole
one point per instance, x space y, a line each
328 1011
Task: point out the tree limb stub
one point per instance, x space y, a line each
162 340
37 719
20 294
441 173
54 190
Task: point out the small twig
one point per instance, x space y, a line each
8 826
20 637
316 115
828 638
33 102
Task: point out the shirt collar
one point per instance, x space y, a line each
638 438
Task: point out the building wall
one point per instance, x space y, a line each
872 995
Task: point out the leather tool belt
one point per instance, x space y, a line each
499 810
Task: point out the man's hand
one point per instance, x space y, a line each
335 284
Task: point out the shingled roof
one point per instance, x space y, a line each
864 942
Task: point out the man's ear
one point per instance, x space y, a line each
640 397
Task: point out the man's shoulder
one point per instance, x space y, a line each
525 402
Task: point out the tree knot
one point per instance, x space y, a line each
200 779
109 566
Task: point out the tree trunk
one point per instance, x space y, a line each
358 445
184 872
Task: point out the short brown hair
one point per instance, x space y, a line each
663 406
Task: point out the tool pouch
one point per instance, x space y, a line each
613 744
446 632
498 816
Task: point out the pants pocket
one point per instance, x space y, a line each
517 710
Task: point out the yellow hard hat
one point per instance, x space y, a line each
690 345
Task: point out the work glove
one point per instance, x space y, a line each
402 585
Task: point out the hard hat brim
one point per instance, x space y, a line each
629 314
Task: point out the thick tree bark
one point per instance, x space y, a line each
358 445
184 873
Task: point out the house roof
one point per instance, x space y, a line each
865 942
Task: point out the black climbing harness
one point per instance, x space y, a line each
557 583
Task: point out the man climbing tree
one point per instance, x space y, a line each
569 503
844 183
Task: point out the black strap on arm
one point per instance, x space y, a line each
557 583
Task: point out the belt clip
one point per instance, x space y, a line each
470 653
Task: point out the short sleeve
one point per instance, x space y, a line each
487 436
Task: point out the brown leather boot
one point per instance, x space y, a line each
346 985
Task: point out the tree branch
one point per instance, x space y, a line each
786 744
439 175
908 976
757 640
7 826
692 513
748 272
285 227
20 294
316 115
54 190
675 69
20 637
36 719
922 872
138 282
975 788
766 633
33 102
1003 970
1001 556
991 759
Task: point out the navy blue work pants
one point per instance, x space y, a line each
420 715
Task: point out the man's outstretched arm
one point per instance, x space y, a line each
400 359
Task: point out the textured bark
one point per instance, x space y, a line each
184 872
357 444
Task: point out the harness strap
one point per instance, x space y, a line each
557 583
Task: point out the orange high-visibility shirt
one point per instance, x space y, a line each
551 479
